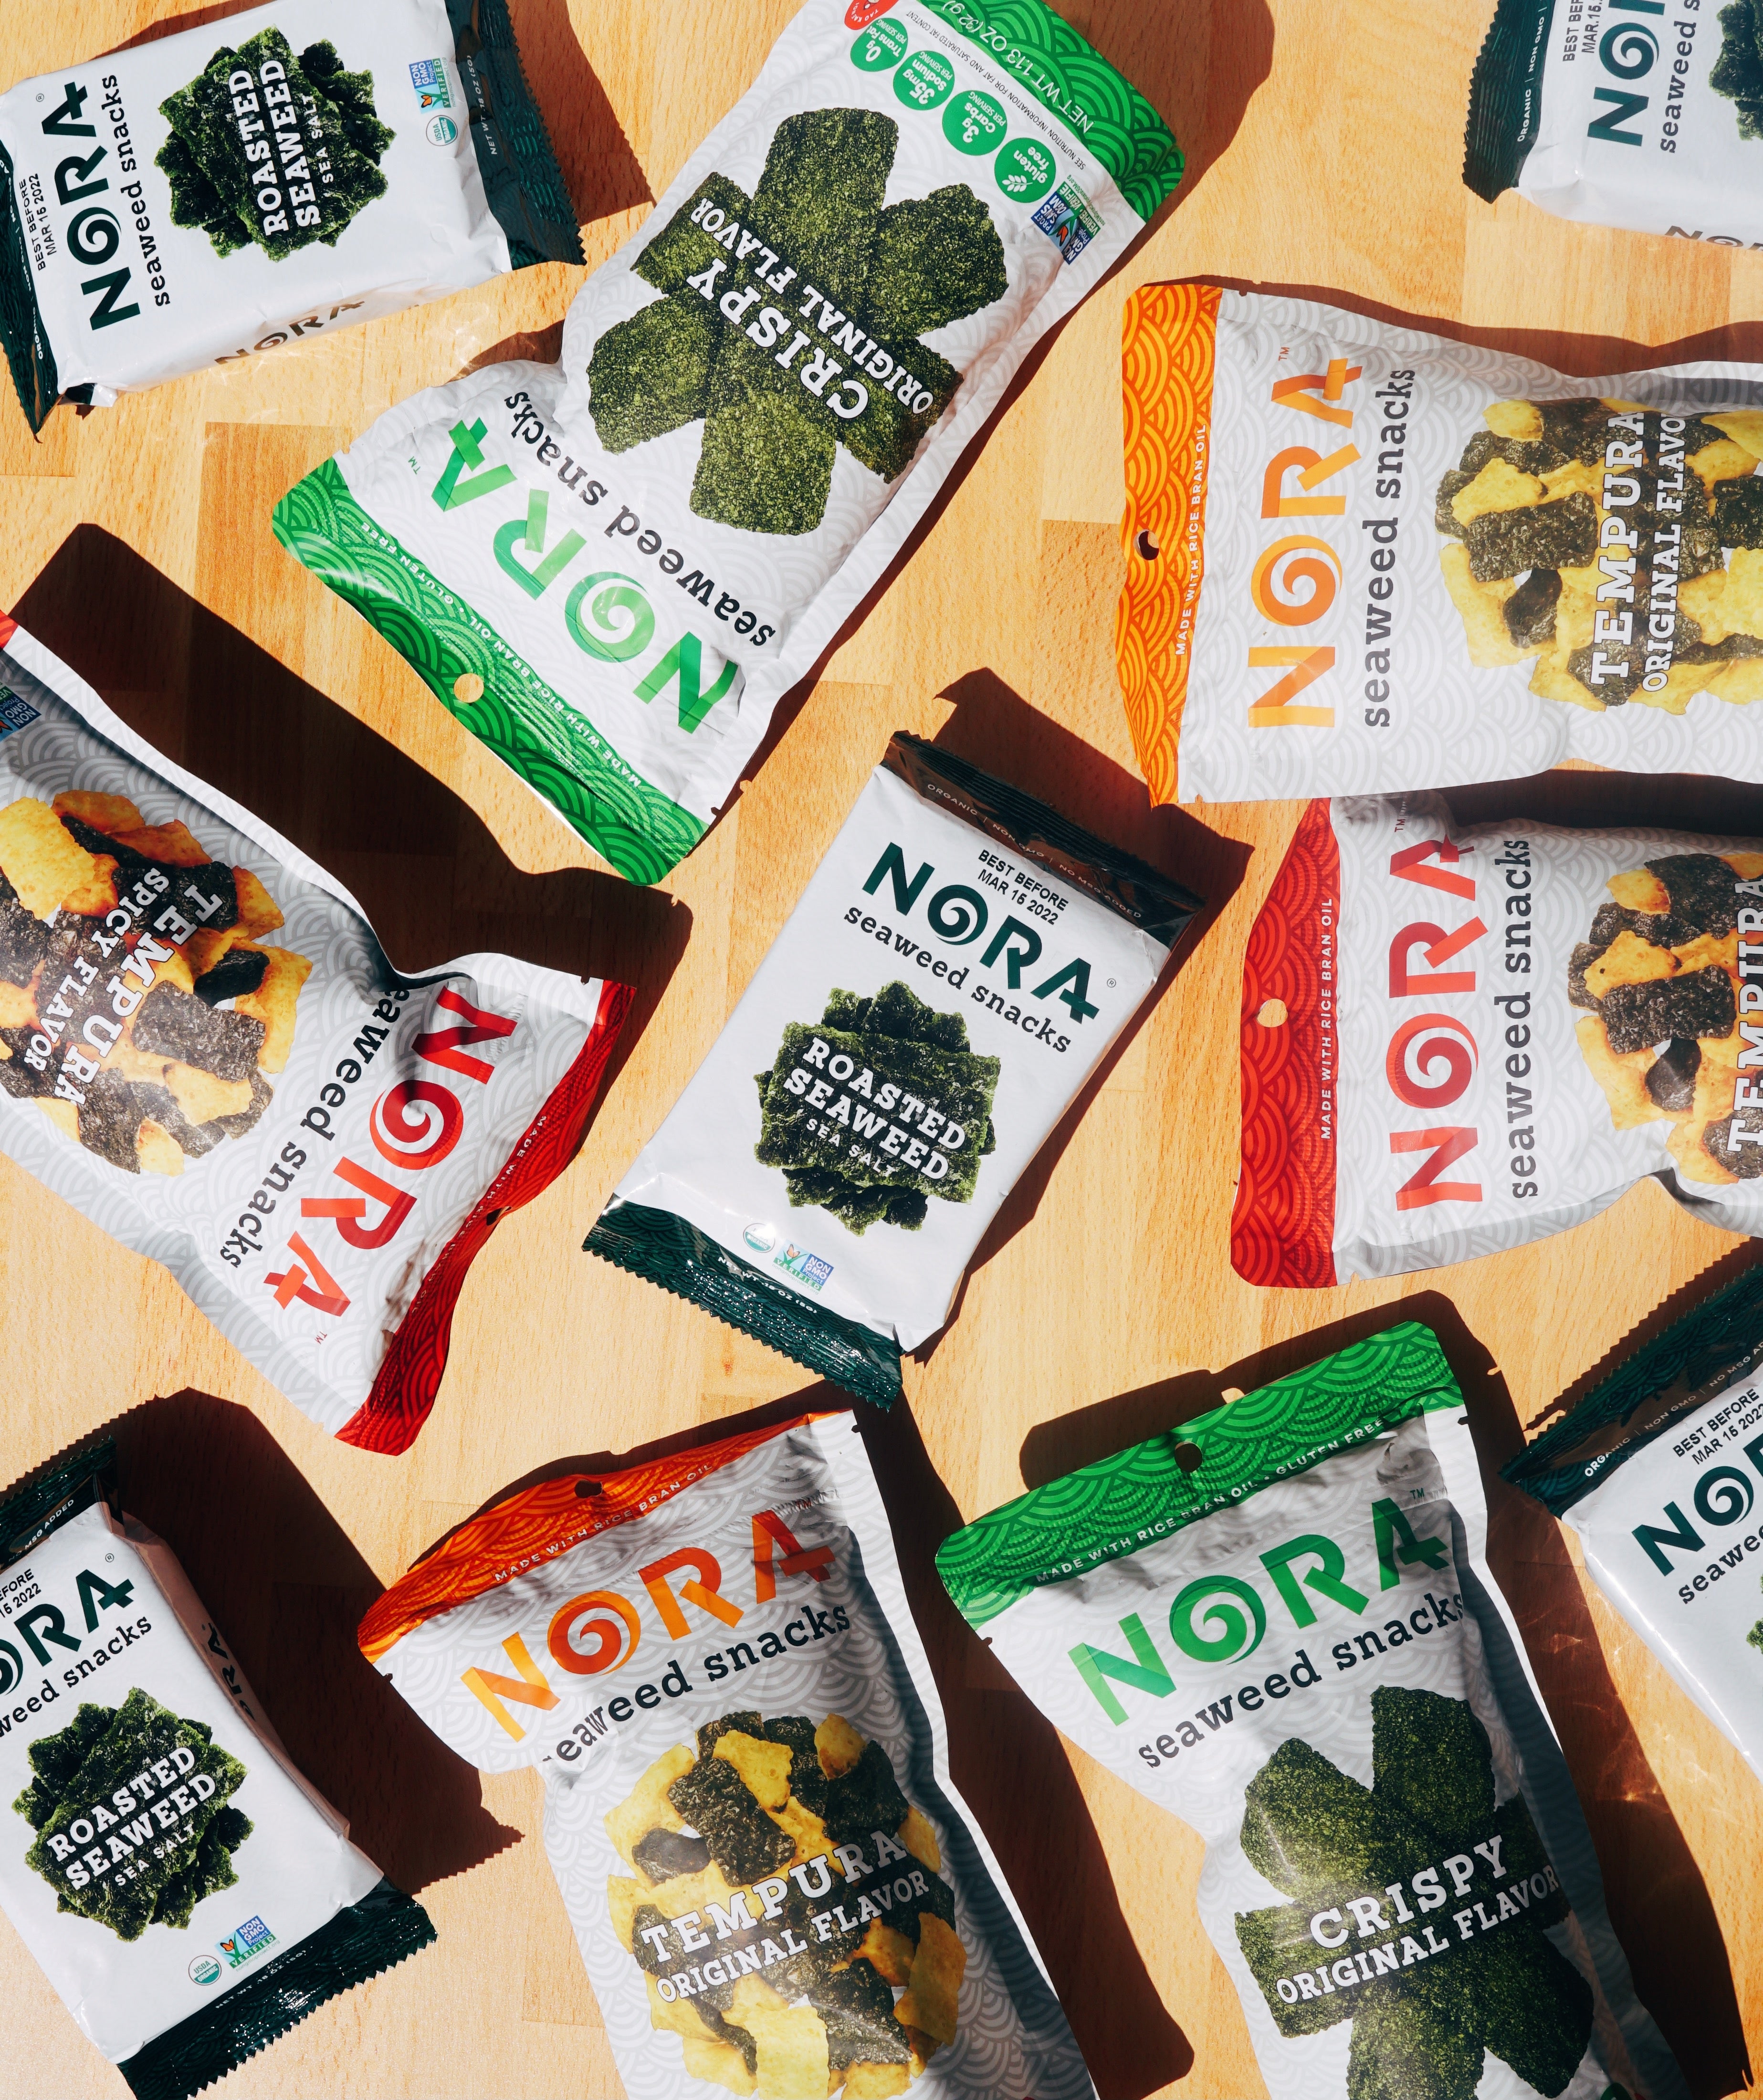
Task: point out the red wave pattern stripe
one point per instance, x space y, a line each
1282 1228
536 1525
1169 345
388 1419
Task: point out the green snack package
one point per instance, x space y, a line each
611 570
185 1889
962 961
182 203
1277 1621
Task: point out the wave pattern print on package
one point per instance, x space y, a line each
1457 1040
188 1893
1277 1622
775 1887
205 1050
611 570
181 204
1674 1543
1361 558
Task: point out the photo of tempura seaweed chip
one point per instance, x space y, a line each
877 1108
148 1864
818 1999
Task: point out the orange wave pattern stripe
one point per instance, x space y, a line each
1282 1227
535 1524
1168 345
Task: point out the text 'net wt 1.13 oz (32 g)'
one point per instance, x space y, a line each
178 205
205 1051
611 570
961 962
185 1889
773 1886
1277 1622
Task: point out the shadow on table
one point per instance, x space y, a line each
424 866
1002 1754
994 728
287 1589
1658 1900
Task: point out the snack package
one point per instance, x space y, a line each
1655 125
1455 1041
775 1886
189 1894
204 1049
1398 1876
611 570
1674 1543
960 963
290 171
1388 561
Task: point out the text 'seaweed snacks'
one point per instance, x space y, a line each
205 1050
1629 117
775 1887
1456 1040
175 206
1674 1542
612 569
962 961
1277 1622
185 1889
1363 558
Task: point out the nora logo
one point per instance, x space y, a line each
1627 51
959 916
92 233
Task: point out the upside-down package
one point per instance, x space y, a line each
775 1889
205 1050
1361 558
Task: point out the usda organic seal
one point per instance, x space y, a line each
204 1969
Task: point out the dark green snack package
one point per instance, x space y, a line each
282 173
1278 1621
186 1891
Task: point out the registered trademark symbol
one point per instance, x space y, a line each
108 1556
1111 984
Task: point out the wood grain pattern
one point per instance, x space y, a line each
1324 144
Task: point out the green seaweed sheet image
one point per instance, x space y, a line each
1419 2031
887 277
161 1858
853 1101
1737 73
270 148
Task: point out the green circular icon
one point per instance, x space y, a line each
925 80
1025 170
881 45
974 123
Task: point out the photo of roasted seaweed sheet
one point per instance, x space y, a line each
749 1818
326 136
1737 73
887 276
1659 981
140 1009
160 1859
1637 581
1434 2002
876 1108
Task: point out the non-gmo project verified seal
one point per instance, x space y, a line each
251 1938
428 76
14 713
1067 218
806 1267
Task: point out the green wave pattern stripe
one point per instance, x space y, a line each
1123 132
528 725
1109 1509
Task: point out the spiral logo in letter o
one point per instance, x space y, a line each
1233 1638
1628 50
12 1667
621 613
1422 1088
958 914
422 1139
1724 1496
593 1633
93 235
1273 592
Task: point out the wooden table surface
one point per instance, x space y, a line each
1324 146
